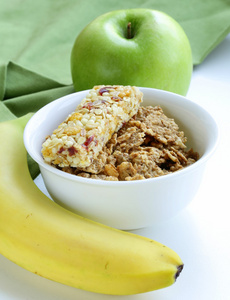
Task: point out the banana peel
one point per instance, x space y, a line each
48 240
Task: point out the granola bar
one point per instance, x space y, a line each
79 139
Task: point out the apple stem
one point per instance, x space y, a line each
129 34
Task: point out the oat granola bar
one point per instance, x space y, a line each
80 138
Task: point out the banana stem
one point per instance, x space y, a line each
22 121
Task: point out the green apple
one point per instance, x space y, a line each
141 47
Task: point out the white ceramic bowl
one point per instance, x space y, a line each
131 204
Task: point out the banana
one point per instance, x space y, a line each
48 240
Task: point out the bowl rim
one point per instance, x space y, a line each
83 180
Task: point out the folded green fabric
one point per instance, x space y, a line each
23 91
37 37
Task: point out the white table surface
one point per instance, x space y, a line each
200 234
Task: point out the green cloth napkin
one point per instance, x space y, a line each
36 38
39 35
25 91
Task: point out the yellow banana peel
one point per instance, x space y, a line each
48 240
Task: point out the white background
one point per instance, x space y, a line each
200 234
